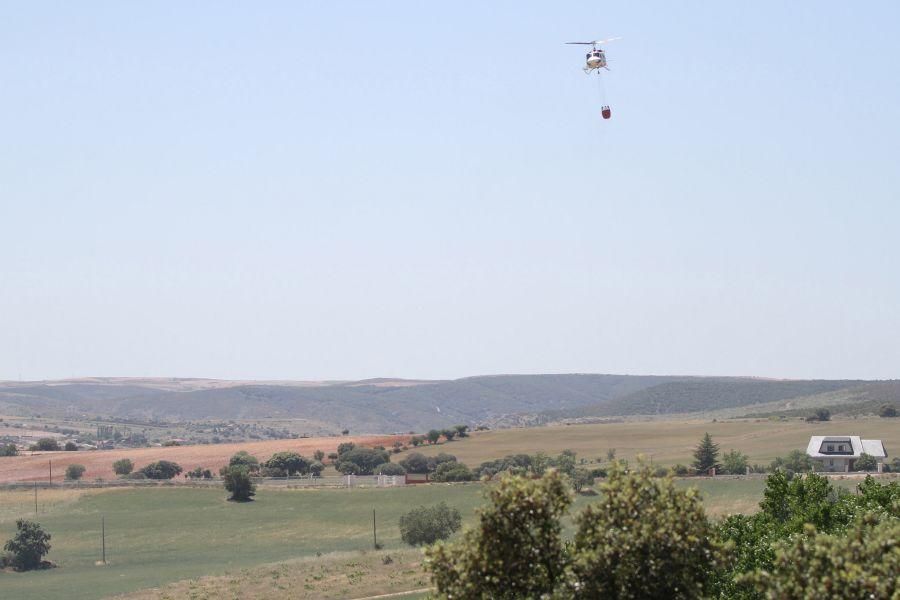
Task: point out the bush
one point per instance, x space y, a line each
238 482
433 436
46 444
796 461
864 563
28 546
821 414
74 472
515 551
428 524
318 455
735 462
8 450
647 539
345 447
162 469
415 462
865 462
680 470
70 446
453 471
199 473
582 479
390 469
123 466
887 411
315 468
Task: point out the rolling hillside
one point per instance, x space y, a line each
393 405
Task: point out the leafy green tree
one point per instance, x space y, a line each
516 551
796 461
865 462
290 463
74 472
706 456
792 502
345 447
8 450
428 524
581 479
123 466
647 539
433 436
361 461
70 446
318 455
462 430
316 467
449 434
415 462
244 459
863 563
28 546
416 440
735 462
238 481
162 469
390 469
46 445
452 471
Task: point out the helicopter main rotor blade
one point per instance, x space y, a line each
598 42
582 43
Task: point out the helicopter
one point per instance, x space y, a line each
595 60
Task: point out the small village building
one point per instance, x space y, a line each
839 453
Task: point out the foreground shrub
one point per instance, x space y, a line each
28 546
237 481
428 524
864 563
646 539
515 551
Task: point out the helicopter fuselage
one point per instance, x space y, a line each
595 59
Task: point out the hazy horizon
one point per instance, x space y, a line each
339 192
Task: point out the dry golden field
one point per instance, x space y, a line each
667 442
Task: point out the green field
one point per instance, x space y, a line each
157 536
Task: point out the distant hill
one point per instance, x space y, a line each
394 405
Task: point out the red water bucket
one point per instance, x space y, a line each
606 112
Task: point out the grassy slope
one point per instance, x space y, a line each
669 442
162 535
158 536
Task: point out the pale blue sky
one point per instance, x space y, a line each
420 189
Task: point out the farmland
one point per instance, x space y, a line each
163 535
210 456
667 442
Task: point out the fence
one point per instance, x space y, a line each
299 481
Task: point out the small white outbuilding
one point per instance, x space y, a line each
839 452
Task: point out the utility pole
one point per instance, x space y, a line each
35 498
103 535
374 531
51 471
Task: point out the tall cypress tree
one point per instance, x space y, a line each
706 456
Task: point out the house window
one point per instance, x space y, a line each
841 447
831 447
831 463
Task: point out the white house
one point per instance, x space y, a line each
839 452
